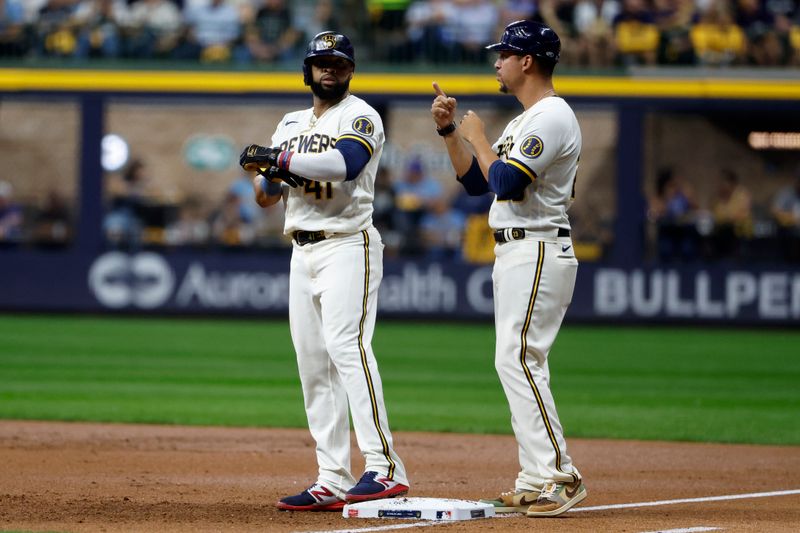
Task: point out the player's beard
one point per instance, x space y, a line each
503 87
334 92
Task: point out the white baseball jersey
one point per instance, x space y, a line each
335 207
545 143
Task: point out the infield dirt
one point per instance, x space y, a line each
121 478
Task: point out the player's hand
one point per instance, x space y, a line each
472 127
276 175
255 157
443 108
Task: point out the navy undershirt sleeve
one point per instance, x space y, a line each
506 181
356 156
473 181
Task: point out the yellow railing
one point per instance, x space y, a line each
13 79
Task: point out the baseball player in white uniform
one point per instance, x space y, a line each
322 162
531 169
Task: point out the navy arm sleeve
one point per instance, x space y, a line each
473 181
506 181
356 156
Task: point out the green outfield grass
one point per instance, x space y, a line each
617 382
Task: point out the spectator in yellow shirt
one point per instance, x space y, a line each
733 217
717 40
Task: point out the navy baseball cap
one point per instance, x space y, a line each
528 37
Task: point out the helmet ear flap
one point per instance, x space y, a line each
307 74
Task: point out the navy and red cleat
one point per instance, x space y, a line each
373 486
315 498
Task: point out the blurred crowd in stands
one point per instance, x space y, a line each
418 218
47 224
595 33
729 226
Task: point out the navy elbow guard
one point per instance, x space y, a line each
356 157
507 182
473 181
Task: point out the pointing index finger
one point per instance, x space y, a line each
439 91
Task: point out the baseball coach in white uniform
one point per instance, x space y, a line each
531 170
322 163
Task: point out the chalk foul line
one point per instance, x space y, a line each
686 500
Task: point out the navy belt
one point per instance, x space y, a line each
516 234
304 237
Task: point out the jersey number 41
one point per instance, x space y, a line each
319 189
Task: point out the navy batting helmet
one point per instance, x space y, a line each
527 37
327 43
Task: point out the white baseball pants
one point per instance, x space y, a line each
533 285
333 296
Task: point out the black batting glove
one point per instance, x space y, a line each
275 174
255 157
